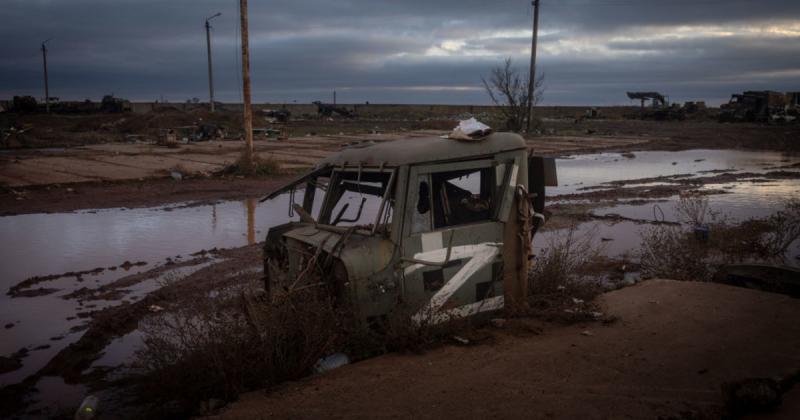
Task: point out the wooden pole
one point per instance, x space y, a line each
532 77
46 87
248 112
210 73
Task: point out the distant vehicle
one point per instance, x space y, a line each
112 104
277 115
442 226
24 104
327 110
753 106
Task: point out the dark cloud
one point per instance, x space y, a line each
592 51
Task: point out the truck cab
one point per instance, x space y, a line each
441 226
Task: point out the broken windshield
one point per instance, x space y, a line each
354 198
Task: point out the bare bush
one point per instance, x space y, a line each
562 280
254 165
693 210
669 252
674 252
405 333
509 91
219 347
785 228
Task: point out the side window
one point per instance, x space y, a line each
461 197
421 219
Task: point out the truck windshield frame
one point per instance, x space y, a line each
354 193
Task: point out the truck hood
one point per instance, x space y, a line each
361 255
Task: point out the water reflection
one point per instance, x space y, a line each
593 170
251 220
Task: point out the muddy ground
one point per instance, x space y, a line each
218 269
92 175
98 161
673 347
135 193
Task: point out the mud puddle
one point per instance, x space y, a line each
60 268
627 193
576 173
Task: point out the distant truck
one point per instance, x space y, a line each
442 226
754 106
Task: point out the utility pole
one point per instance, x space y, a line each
334 98
46 87
532 76
210 73
248 112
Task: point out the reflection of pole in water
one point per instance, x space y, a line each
251 216
214 217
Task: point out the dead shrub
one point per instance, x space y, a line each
405 333
222 346
670 252
562 282
675 252
692 209
255 166
218 347
784 228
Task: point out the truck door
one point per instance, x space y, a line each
452 238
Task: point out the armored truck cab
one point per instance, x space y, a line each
441 226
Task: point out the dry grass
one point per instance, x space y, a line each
675 252
670 252
562 280
255 166
218 347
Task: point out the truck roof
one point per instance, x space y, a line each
423 150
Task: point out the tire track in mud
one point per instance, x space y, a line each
72 362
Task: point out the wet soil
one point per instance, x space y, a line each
683 135
666 357
136 170
9 364
72 363
132 194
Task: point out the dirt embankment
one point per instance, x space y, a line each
131 194
674 346
683 135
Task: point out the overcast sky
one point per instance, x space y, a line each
400 51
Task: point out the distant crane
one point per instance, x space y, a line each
46 87
658 100
208 48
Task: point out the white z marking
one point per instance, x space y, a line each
479 256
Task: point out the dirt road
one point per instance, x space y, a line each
136 175
131 194
119 161
673 346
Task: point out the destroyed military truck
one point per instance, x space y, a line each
753 106
438 225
